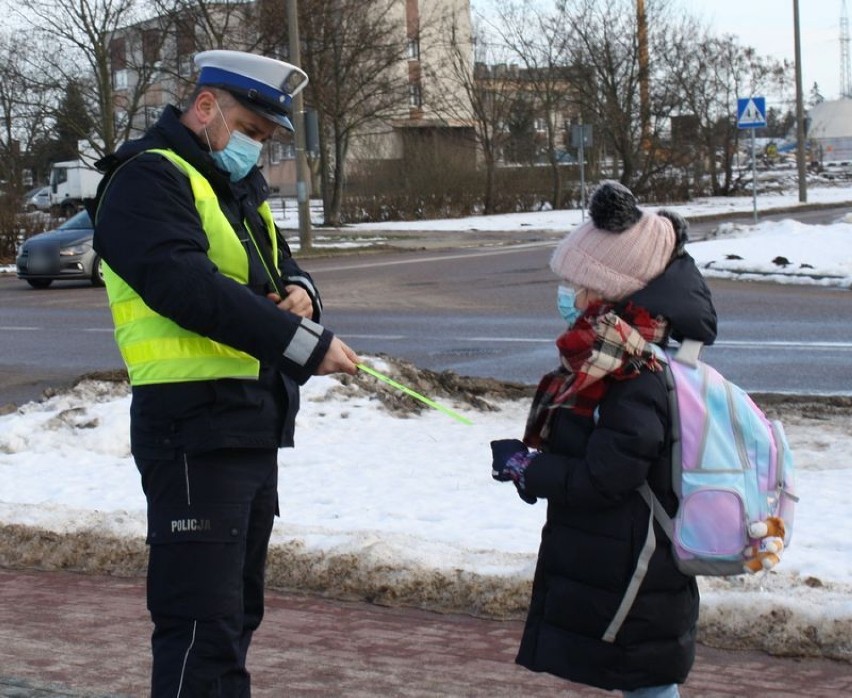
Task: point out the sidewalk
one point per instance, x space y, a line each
64 634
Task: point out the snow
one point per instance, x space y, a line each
401 508
563 220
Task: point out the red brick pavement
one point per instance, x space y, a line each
63 634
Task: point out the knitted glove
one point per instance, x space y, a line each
510 458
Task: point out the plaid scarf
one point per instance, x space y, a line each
600 347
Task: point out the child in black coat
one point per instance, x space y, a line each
598 428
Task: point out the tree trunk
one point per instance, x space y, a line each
489 182
325 179
556 178
712 166
333 218
628 169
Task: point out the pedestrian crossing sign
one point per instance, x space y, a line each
751 112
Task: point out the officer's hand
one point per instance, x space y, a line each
338 359
297 301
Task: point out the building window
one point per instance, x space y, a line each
280 151
185 39
119 79
185 49
120 119
152 115
150 46
413 49
415 96
117 54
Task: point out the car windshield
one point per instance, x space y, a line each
79 221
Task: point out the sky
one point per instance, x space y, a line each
375 500
767 26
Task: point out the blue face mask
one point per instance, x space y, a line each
565 297
239 155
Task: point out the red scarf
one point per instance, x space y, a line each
600 347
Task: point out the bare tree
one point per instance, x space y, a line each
354 52
609 79
711 73
479 68
75 42
25 108
155 55
217 24
537 40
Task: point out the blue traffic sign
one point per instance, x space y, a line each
751 112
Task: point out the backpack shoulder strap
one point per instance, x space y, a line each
635 581
666 522
689 352
656 512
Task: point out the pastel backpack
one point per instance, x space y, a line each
732 472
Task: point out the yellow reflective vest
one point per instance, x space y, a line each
156 349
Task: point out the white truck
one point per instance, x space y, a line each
71 182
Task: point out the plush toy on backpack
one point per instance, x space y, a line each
767 543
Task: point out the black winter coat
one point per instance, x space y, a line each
597 523
149 232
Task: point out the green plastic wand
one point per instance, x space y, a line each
417 396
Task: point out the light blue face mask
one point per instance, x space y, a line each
565 297
239 155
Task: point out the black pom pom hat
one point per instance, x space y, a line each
619 250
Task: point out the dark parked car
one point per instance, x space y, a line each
64 253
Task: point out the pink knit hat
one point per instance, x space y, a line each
619 250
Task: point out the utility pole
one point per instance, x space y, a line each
303 184
644 76
800 110
845 67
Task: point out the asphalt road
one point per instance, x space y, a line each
492 313
486 311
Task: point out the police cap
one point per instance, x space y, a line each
264 85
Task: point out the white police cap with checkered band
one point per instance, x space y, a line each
264 85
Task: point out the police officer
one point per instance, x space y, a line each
218 327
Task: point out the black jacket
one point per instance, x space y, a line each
149 232
597 523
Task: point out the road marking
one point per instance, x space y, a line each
47 329
727 344
731 344
510 340
376 336
780 344
442 258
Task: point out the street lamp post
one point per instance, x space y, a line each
800 110
303 194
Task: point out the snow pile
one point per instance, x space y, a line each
386 502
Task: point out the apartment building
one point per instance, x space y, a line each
151 66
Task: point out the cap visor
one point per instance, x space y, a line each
275 117
283 121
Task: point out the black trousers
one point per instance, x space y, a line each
209 521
